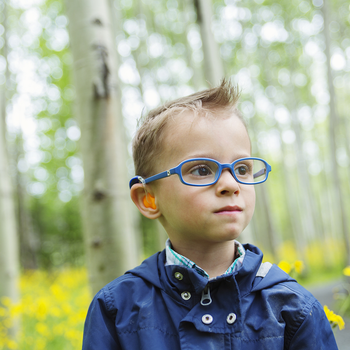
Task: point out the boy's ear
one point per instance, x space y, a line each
144 201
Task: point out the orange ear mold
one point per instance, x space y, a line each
149 201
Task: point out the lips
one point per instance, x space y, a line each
229 209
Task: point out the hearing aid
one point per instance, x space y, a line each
149 201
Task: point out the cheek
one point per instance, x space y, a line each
187 203
179 202
170 195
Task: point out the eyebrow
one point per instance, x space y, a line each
203 155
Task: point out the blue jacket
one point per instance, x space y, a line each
159 307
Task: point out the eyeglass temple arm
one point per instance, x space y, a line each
265 170
158 176
259 173
139 179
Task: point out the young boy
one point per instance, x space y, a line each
195 174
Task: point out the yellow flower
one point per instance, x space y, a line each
327 311
72 334
340 322
52 308
67 309
285 266
334 319
11 344
346 271
16 309
299 266
58 292
42 309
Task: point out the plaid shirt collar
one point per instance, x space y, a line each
173 258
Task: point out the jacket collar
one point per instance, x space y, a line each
154 271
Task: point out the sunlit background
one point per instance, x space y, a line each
275 52
291 60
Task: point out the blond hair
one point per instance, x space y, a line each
147 143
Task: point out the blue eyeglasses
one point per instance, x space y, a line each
206 172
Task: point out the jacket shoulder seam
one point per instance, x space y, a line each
300 320
109 301
108 295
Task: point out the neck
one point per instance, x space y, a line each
214 259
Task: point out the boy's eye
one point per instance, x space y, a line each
201 170
242 170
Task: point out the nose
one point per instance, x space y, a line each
227 184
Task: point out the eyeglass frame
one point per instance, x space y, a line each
221 166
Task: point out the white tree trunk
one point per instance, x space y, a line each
9 265
107 220
27 239
213 67
9 261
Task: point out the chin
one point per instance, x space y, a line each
232 231
229 237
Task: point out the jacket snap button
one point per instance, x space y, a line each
186 295
207 319
231 318
178 276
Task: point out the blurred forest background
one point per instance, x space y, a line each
75 77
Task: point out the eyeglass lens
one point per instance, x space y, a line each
202 172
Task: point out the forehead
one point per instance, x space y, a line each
190 134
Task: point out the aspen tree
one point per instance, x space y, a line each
106 206
213 67
9 262
8 231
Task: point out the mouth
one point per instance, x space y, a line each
229 210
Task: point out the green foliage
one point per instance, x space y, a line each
58 226
45 139
342 295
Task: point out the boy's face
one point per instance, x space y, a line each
210 214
